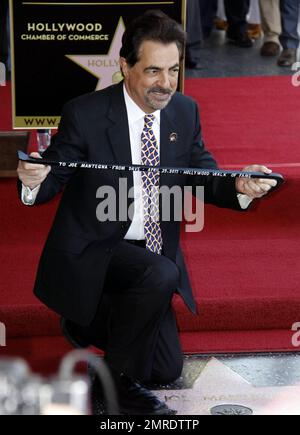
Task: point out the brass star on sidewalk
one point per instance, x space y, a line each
105 67
218 385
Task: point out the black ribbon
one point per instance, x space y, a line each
161 169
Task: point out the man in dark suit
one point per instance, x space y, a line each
114 280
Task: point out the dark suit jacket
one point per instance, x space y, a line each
94 128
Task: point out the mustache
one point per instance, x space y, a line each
161 91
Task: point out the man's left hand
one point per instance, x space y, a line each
255 187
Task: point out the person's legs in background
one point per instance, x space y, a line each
208 10
194 35
221 20
3 31
254 29
271 24
289 38
236 12
254 20
200 22
8 63
221 11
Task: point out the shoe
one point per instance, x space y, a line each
133 399
221 24
270 49
72 335
242 40
288 57
192 64
254 31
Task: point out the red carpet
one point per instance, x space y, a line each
5 108
249 119
6 114
244 267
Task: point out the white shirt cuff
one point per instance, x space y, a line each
28 196
244 201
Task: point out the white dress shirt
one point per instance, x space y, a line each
136 125
136 121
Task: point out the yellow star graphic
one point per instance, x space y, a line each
105 67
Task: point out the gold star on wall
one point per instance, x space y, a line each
105 67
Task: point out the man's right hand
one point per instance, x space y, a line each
32 175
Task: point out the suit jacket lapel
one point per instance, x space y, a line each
118 133
168 130
119 137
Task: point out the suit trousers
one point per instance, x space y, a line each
194 31
271 20
3 31
208 11
236 13
135 324
290 18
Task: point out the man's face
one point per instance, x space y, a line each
153 80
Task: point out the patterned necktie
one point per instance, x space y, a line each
150 189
